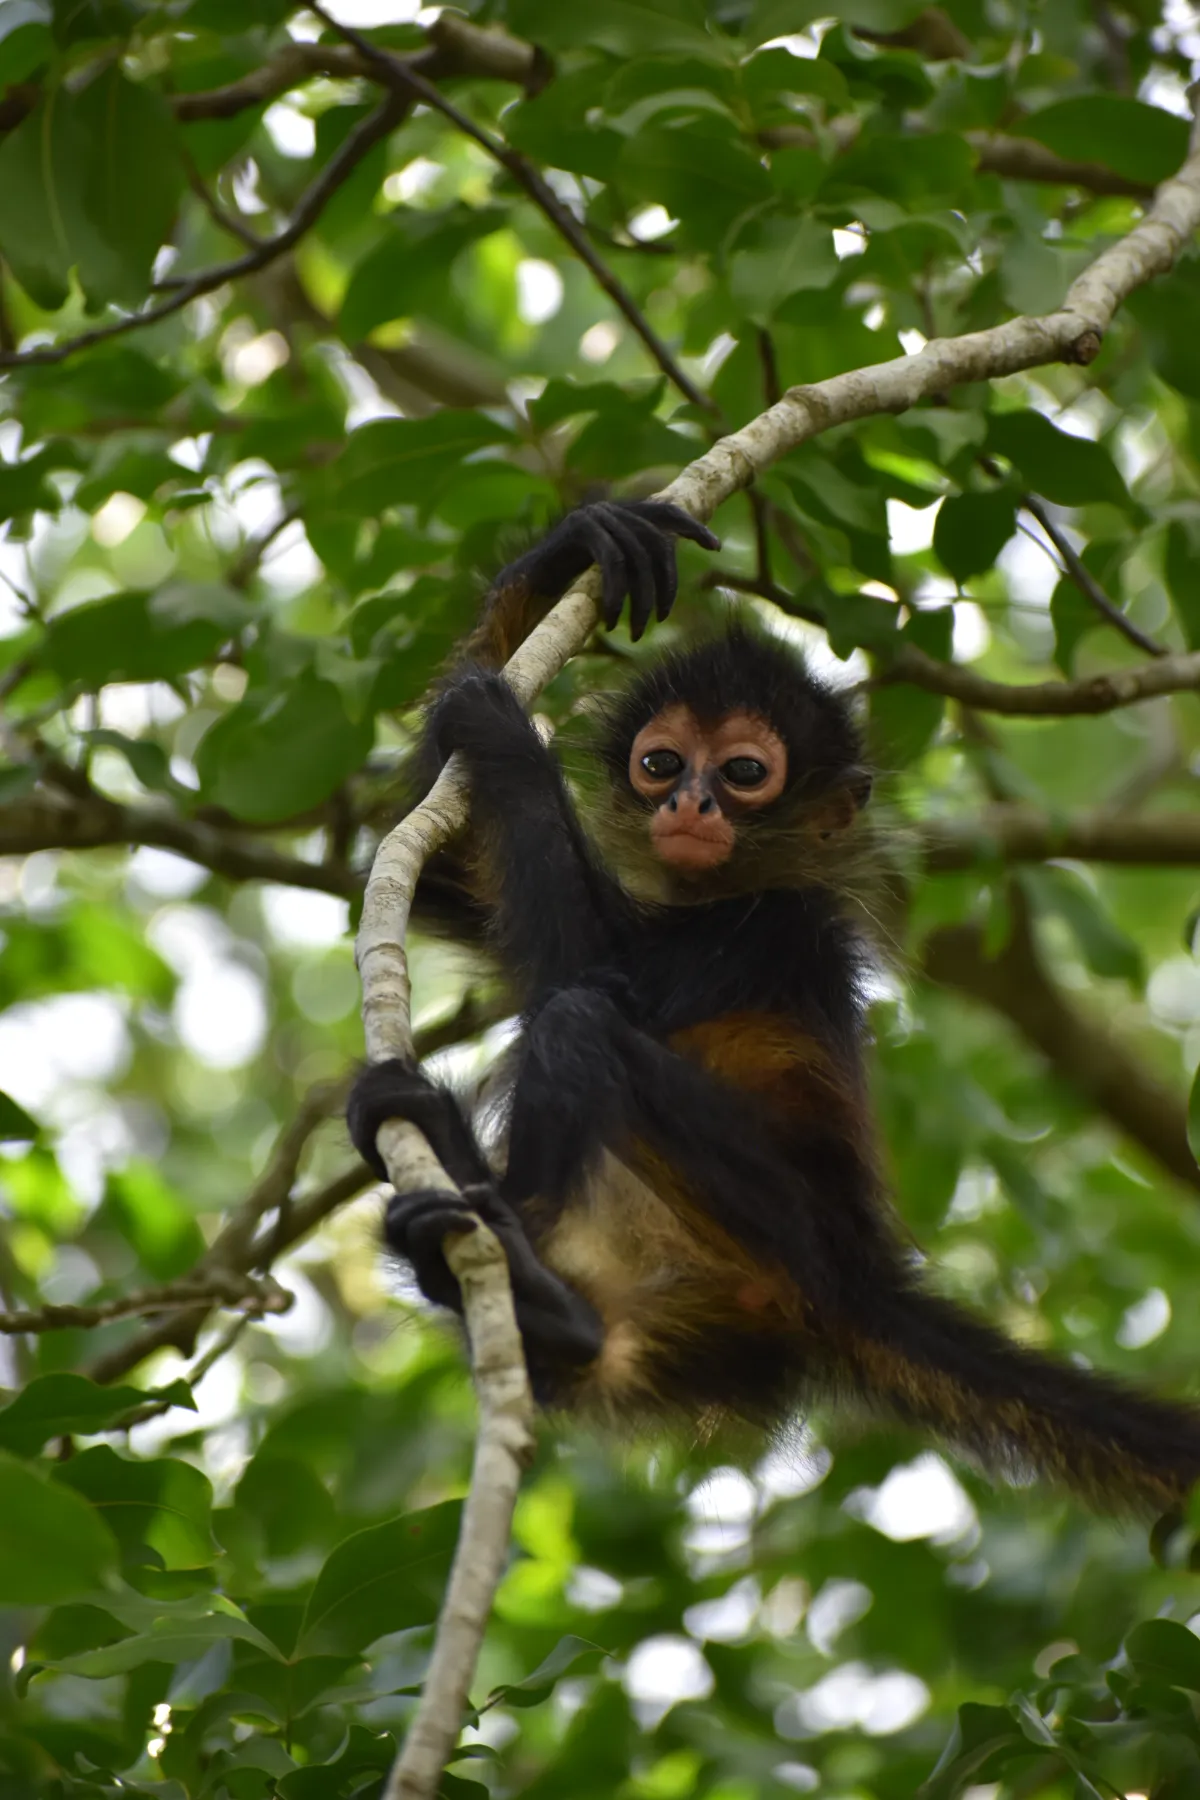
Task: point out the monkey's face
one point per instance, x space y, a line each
703 780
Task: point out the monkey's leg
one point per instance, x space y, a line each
1018 1409
556 1322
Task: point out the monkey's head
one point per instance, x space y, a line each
732 767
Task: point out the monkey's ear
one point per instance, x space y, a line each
838 810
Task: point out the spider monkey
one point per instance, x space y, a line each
691 1202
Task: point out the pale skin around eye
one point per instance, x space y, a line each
702 779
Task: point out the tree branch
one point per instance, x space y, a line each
1078 1044
39 822
1043 699
307 211
216 1288
1021 834
404 79
1024 159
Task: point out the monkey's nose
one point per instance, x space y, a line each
702 807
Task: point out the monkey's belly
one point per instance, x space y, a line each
682 1305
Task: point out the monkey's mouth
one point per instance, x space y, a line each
692 843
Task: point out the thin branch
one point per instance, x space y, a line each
1080 1046
764 590
1013 833
245 567
1043 699
455 47
216 1288
1024 159
37 822
404 79
308 210
226 221
1086 582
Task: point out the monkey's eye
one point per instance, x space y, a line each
662 765
744 772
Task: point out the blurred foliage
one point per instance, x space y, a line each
237 543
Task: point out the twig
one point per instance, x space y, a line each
1043 699
1079 1045
308 209
403 78
214 1288
154 1409
245 567
227 221
1086 582
764 590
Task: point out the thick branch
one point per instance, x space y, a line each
308 210
1079 1045
1021 834
1044 699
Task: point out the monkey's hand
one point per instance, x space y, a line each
477 712
555 1321
631 540
398 1090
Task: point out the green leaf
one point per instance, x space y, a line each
622 27
173 1638
53 1546
540 1682
1142 142
152 1218
982 1734
392 462
133 183
788 255
1069 470
1193 1118
972 529
89 182
162 1506
25 39
555 126
363 1755
143 637
700 170
384 1579
281 751
1161 1648
1182 571
61 1405
16 1125
1106 950
407 272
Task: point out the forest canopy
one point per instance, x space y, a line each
302 329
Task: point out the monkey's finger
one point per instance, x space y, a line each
606 552
673 518
426 1216
661 551
639 570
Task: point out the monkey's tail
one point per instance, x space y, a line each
1019 1411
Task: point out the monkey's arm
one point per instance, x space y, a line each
553 910
630 540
